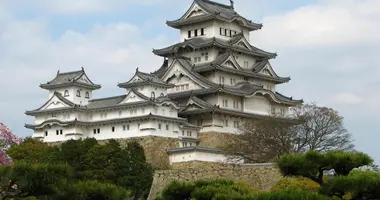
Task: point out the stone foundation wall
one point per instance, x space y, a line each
214 139
155 149
260 176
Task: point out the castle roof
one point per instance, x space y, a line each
213 11
202 42
109 121
253 72
141 79
105 103
73 78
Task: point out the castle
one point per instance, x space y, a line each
210 83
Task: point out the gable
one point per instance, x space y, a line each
131 98
84 79
243 43
177 75
194 10
54 103
268 71
231 63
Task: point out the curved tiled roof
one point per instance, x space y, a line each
201 42
215 11
86 123
69 79
145 79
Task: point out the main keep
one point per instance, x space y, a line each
210 83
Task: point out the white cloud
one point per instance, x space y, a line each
333 22
347 98
82 6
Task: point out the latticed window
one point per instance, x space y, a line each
78 93
66 94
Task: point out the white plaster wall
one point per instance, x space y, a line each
231 26
208 30
257 105
73 94
147 91
240 58
196 156
184 81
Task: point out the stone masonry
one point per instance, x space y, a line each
260 176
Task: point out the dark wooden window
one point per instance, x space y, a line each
78 93
98 130
113 129
66 94
221 30
61 132
189 34
46 133
94 131
196 32
202 31
87 96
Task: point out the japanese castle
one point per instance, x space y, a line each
211 81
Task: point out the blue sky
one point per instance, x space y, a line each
330 48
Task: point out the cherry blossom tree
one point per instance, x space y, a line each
7 139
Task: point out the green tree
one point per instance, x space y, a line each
134 172
359 184
313 164
22 180
33 151
93 190
302 183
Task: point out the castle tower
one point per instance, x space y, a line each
221 79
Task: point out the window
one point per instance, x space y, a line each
226 122
230 33
233 81
66 94
221 79
206 56
189 34
199 122
94 131
245 63
159 126
221 31
273 111
225 103
61 132
87 95
128 127
196 32
183 133
46 133
225 32
78 93
113 129
98 130
282 111
57 132
189 133
236 105
152 95
236 124
202 31
167 126
182 87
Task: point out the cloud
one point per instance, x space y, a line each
327 23
82 6
347 99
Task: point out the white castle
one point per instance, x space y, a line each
213 80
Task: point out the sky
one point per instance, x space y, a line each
330 49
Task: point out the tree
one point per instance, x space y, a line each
7 139
93 190
302 183
261 140
134 172
359 184
308 127
313 164
33 151
322 129
22 180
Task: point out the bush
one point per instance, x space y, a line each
93 190
296 183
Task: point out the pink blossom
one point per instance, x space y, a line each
7 139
